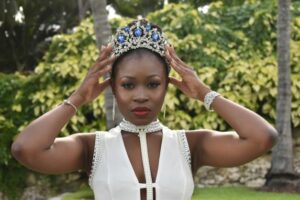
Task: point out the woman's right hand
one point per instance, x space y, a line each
90 88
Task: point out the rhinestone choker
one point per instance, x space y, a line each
149 128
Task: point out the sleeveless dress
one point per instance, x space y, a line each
113 178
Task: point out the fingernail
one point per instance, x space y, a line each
102 47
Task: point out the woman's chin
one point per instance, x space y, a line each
139 121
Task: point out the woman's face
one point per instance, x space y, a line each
140 86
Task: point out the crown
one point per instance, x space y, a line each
139 34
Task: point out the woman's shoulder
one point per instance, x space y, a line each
88 138
194 136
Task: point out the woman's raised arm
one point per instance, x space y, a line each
37 146
253 135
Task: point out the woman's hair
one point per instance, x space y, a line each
139 38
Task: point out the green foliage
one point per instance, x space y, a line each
12 175
133 8
23 43
197 3
63 68
231 48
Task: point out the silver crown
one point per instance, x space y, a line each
139 35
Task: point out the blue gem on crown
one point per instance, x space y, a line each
121 38
139 36
155 37
126 29
138 32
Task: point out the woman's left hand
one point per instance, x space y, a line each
190 84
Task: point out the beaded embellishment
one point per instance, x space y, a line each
185 147
140 34
97 156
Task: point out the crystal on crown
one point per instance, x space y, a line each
139 35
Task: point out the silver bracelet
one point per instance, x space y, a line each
209 98
68 102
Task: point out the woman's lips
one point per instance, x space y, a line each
141 111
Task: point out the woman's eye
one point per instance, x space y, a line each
127 85
153 84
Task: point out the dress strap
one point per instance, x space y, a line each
184 147
97 155
143 185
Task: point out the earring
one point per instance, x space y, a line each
164 110
114 109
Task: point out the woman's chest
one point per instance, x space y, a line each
132 152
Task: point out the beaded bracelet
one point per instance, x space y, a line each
68 102
209 98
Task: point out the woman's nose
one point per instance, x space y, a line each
141 95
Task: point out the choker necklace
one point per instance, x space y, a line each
142 131
149 128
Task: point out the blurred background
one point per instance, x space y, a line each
249 51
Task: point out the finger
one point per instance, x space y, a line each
177 83
103 71
177 68
101 52
173 57
101 64
103 85
168 56
109 46
105 51
101 49
179 63
173 54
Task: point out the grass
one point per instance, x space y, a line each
222 193
239 193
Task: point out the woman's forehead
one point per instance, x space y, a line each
145 65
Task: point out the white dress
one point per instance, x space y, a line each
113 178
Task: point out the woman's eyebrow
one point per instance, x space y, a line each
153 75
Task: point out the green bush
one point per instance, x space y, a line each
233 50
11 173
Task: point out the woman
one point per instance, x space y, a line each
141 158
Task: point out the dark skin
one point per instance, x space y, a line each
142 86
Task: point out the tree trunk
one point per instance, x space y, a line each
282 175
103 34
80 10
83 6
